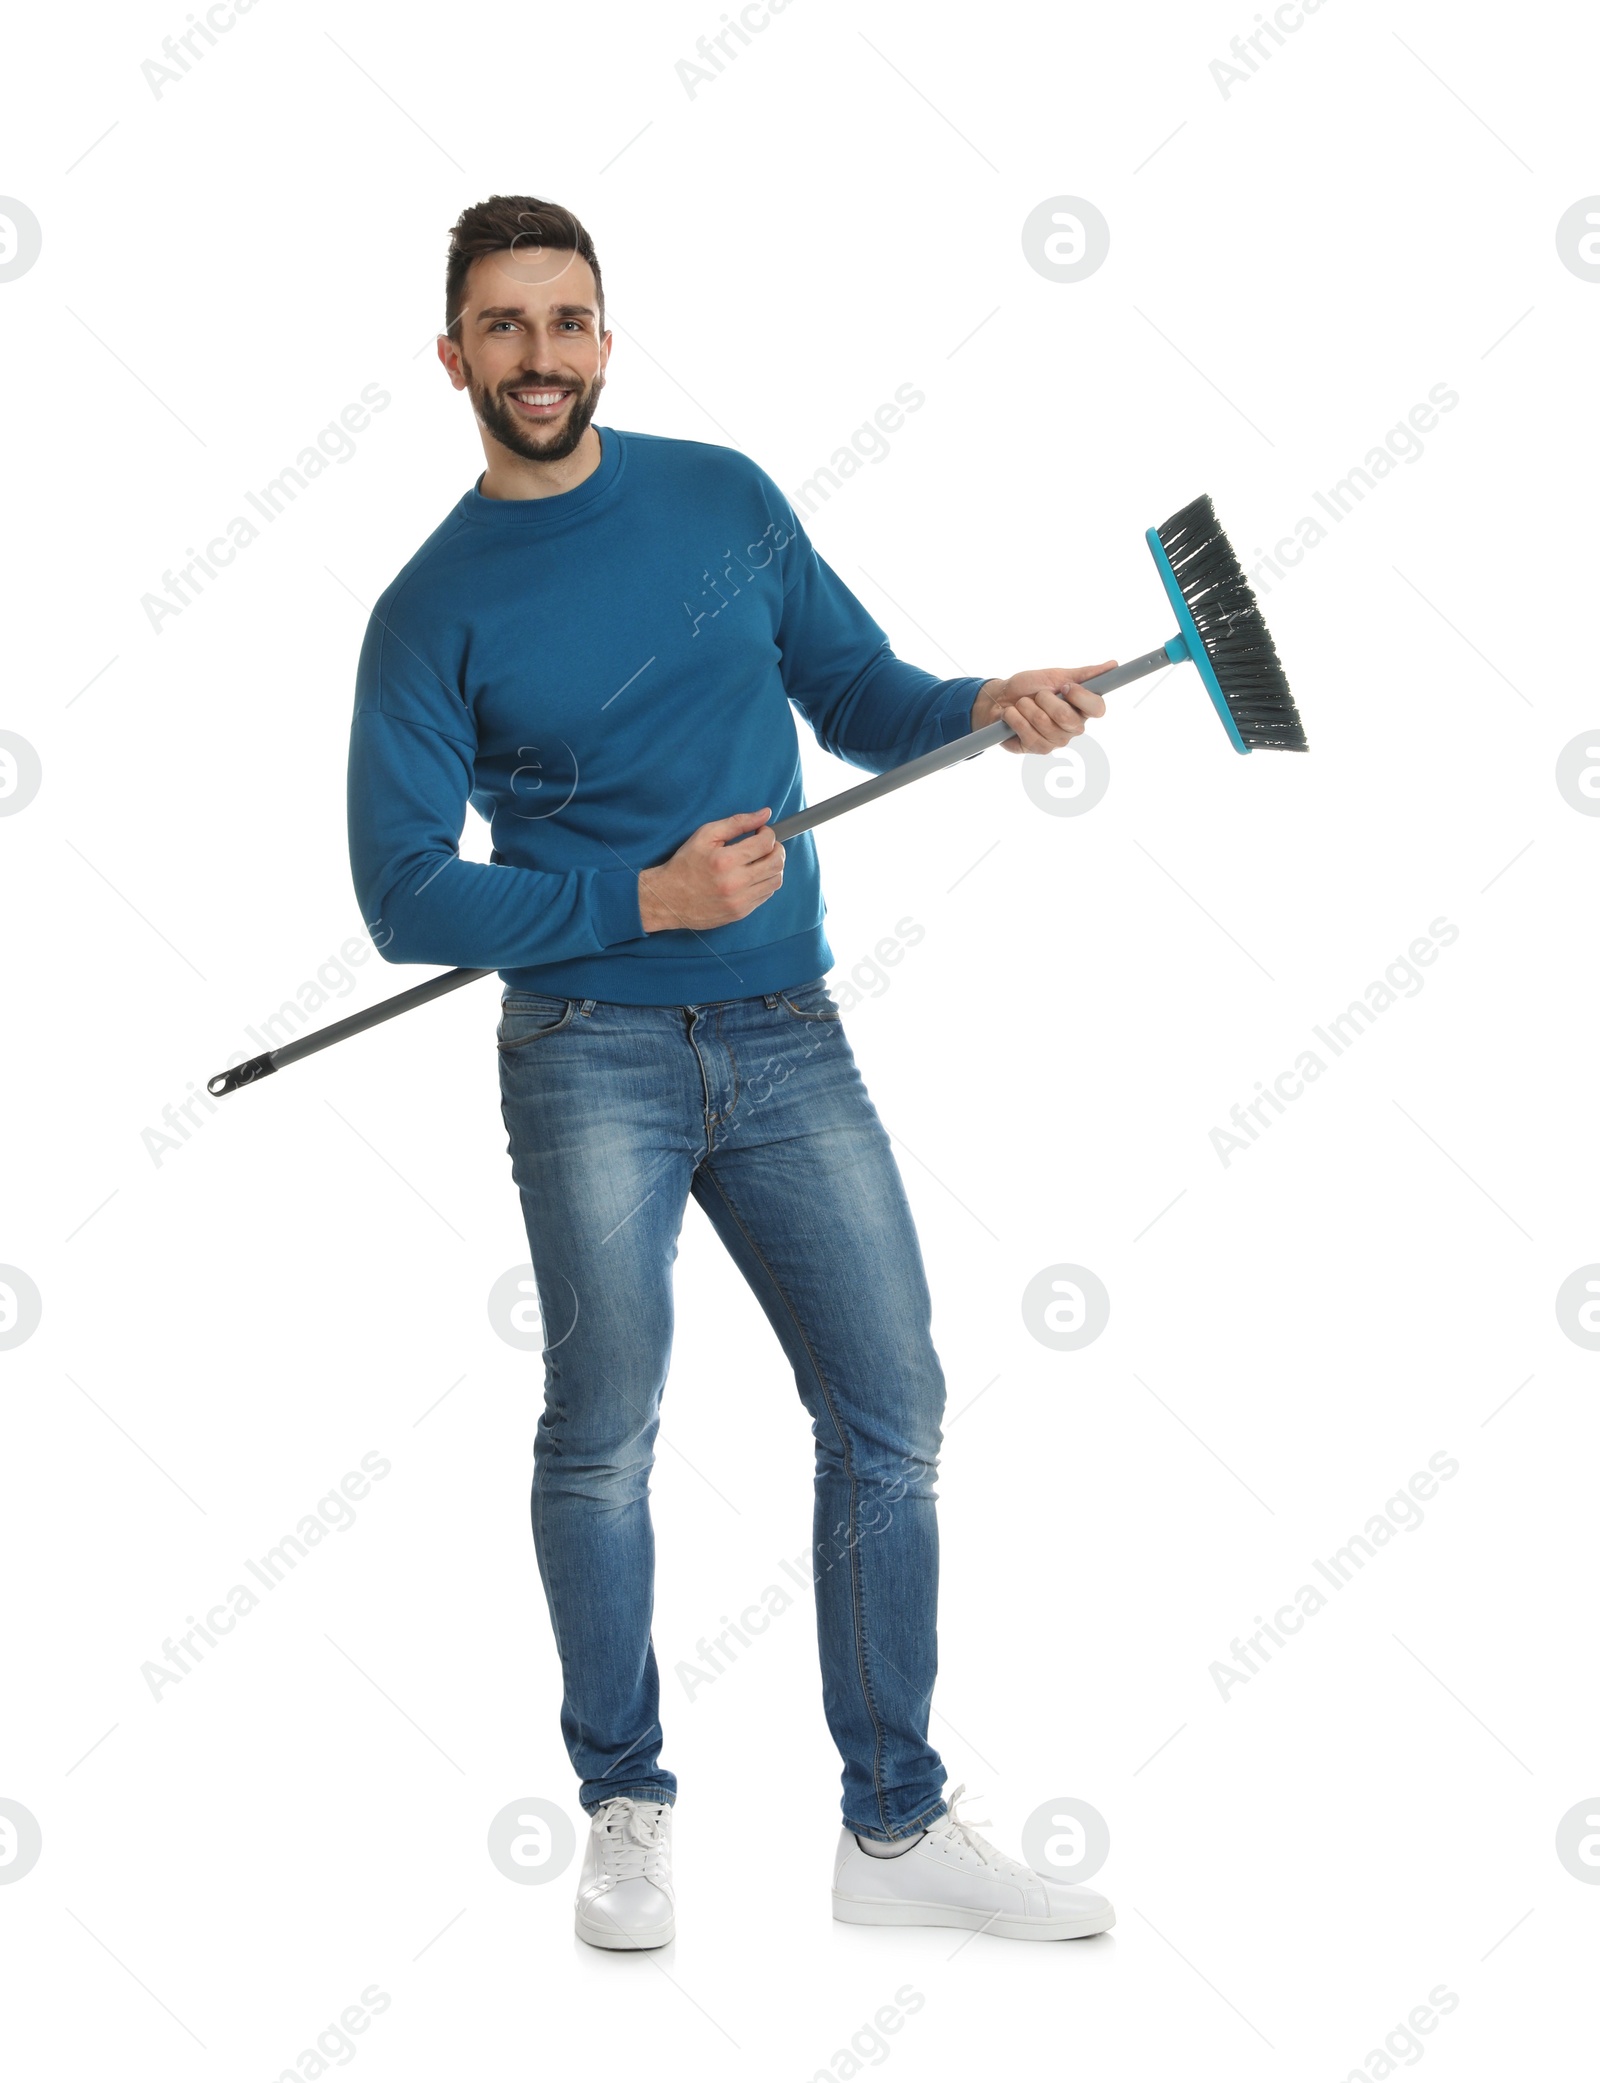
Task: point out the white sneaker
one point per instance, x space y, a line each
625 1899
952 1876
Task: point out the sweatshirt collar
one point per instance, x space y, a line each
561 508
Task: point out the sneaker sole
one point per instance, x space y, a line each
852 1910
610 1940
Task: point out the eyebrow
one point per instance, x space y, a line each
517 311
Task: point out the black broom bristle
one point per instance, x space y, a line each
1237 640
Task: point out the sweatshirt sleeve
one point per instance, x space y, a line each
412 748
864 704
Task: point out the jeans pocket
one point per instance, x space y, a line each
528 1016
813 1001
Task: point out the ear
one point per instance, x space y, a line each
450 357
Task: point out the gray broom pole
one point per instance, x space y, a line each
949 755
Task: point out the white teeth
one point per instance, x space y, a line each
538 397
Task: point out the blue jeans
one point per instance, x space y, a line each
616 1114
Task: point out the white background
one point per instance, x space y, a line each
302 1280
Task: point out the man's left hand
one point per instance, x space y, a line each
1046 708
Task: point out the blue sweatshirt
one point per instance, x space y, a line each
598 674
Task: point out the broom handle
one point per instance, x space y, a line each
786 828
959 749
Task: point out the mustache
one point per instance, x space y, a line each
540 383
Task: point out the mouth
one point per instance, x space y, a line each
540 404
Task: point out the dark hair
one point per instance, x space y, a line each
505 223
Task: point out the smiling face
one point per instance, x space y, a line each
529 350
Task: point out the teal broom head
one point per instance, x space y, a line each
1220 627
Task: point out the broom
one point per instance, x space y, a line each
1220 632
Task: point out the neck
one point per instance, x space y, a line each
510 476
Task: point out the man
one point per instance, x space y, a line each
598 649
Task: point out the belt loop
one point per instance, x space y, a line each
770 1000
588 1006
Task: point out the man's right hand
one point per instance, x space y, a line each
709 882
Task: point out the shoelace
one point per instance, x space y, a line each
966 1834
630 1842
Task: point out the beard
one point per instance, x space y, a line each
536 444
